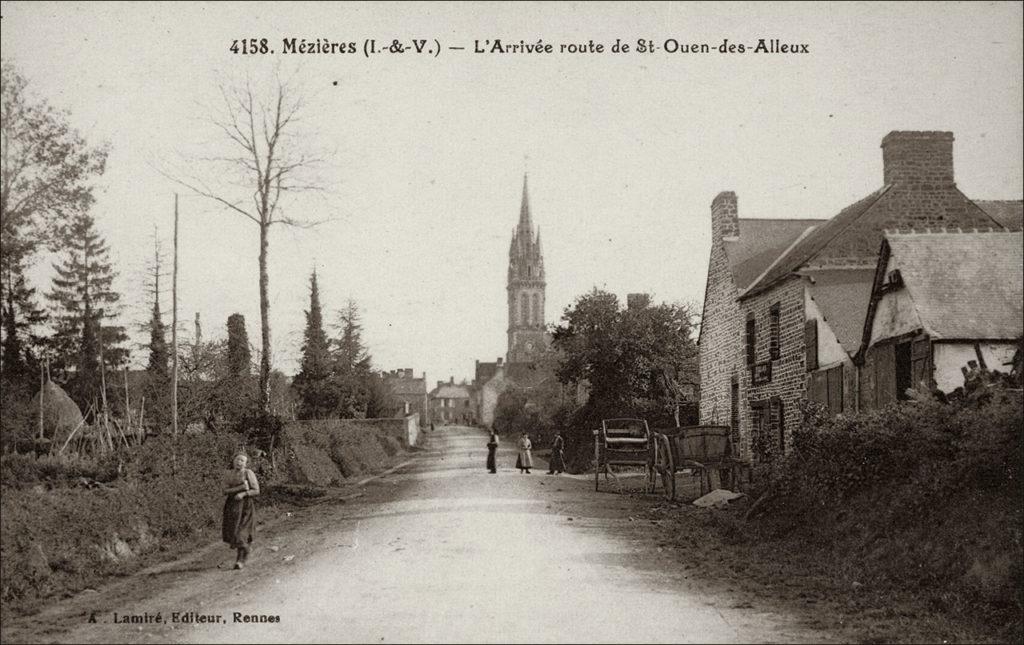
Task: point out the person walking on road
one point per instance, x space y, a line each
557 463
525 461
492 452
239 521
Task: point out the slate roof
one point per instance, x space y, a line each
815 241
450 391
963 285
408 386
1009 213
760 242
484 372
842 296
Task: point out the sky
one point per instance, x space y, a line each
425 154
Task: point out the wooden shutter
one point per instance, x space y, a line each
778 425
835 389
817 387
751 342
811 344
885 374
866 379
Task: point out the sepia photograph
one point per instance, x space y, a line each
512 322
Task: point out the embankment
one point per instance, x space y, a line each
67 524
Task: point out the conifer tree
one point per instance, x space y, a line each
239 355
318 395
21 345
158 351
352 365
84 302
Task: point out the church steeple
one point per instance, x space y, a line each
526 336
525 223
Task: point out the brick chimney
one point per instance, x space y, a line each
920 160
408 372
724 216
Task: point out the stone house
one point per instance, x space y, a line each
786 300
452 402
941 303
409 393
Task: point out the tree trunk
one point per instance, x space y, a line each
264 322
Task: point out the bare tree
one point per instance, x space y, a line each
267 159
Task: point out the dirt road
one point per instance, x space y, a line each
437 551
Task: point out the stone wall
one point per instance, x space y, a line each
788 382
721 329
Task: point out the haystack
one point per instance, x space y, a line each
60 414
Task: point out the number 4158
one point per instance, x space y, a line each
249 46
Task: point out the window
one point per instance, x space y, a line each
524 309
751 342
774 331
536 309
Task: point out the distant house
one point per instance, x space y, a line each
492 379
409 392
452 402
786 300
940 303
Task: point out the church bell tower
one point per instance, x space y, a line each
526 334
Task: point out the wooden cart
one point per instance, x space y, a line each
702 450
627 444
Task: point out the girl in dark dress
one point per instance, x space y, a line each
492 449
239 522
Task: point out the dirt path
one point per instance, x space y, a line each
438 551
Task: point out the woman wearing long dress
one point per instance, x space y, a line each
492 450
525 460
239 521
557 463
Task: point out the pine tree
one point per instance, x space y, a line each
158 352
239 356
318 396
83 301
353 365
21 345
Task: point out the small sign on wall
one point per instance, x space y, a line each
762 373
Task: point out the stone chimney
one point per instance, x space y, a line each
724 216
499 361
408 372
920 160
637 300
451 380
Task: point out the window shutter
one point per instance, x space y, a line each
775 332
751 342
835 389
811 344
817 387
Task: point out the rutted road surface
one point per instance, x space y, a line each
437 551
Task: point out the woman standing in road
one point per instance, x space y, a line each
492 452
525 460
239 522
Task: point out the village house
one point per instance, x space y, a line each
452 402
941 303
786 300
409 393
